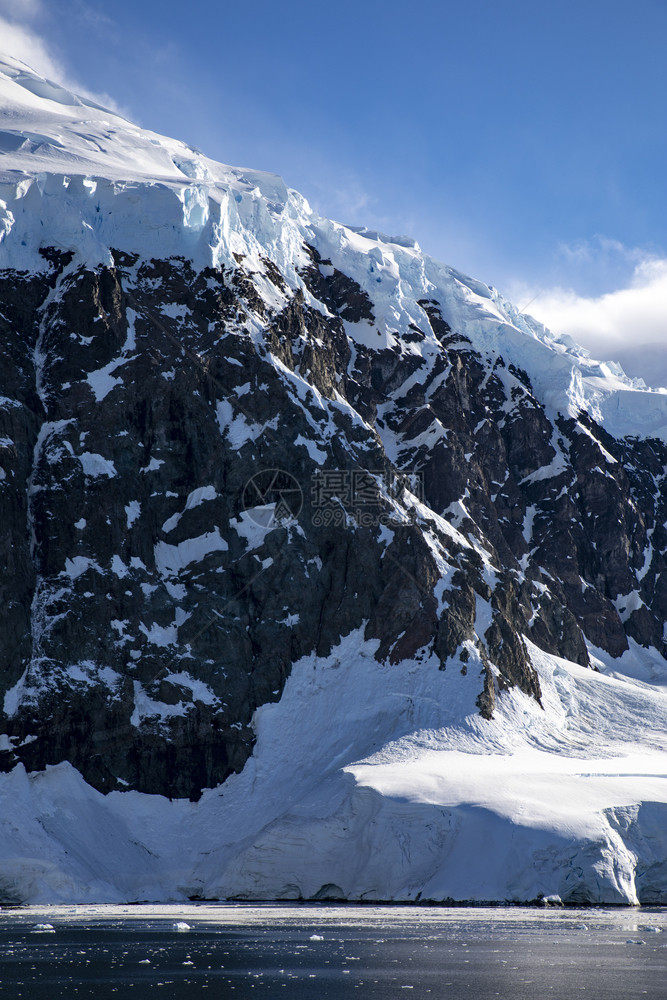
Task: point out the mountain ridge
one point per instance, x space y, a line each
106 147
245 447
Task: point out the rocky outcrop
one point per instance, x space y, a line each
199 488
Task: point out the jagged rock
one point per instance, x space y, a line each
226 447
114 503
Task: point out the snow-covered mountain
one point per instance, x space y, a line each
328 573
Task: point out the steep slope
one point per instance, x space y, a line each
249 455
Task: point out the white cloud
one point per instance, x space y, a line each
628 324
20 41
601 250
630 315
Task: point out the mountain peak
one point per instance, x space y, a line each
315 531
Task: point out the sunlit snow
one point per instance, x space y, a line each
72 165
383 781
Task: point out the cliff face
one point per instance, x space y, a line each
207 478
305 527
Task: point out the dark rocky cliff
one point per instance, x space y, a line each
187 508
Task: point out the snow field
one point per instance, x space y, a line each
372 781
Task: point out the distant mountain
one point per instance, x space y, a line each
327 573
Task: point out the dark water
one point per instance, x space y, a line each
330 953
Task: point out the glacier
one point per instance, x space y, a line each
396 790
369 779
75 169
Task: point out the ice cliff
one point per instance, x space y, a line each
326 572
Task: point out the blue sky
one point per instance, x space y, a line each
522 142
